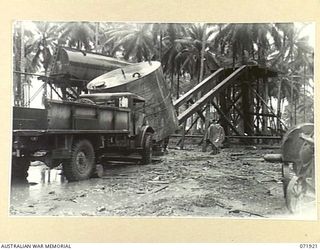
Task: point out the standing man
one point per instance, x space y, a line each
214 136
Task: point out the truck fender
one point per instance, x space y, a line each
143 131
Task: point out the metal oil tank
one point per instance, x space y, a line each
146 80
83 65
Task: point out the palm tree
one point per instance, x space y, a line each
294 49
245 41
18 65
164 36
306 107
79 35
295 59
43 45
158 30
23 53
171 57
195 50
105 41
134 41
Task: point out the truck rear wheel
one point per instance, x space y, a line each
147 149
81 164
20 167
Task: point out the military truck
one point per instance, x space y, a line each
80 134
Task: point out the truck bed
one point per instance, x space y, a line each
29 118
71 116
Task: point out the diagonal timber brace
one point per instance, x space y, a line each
177 103
263 101
207 97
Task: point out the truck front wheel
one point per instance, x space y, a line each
147 149
81 164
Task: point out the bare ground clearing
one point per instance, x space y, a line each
185 183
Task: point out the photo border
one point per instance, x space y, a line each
118 229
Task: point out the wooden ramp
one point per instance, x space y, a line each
183 99
208 96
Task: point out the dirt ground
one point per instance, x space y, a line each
185 183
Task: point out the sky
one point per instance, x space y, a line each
309 30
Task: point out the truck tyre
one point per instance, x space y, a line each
81 164
285 170
20 167
147 149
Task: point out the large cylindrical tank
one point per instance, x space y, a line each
83 65
146 80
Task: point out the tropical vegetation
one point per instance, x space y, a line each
188 52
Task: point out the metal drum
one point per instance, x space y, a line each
146 80
83 65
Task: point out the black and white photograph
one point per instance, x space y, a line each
163 119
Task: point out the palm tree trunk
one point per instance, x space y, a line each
45 88
291 103
304 93
96 36
172 80
257 105
264 108
207 115
28 98
221 42
203 47
295 110
17 77
279 106
160 45
178 84
22 65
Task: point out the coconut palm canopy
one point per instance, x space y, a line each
188 51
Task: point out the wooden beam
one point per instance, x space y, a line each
235 100
183 135
266 105
184 98
198 112
52 88
186 132
269 137
204 99
244 120
261 114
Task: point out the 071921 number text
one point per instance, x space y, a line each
309 246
